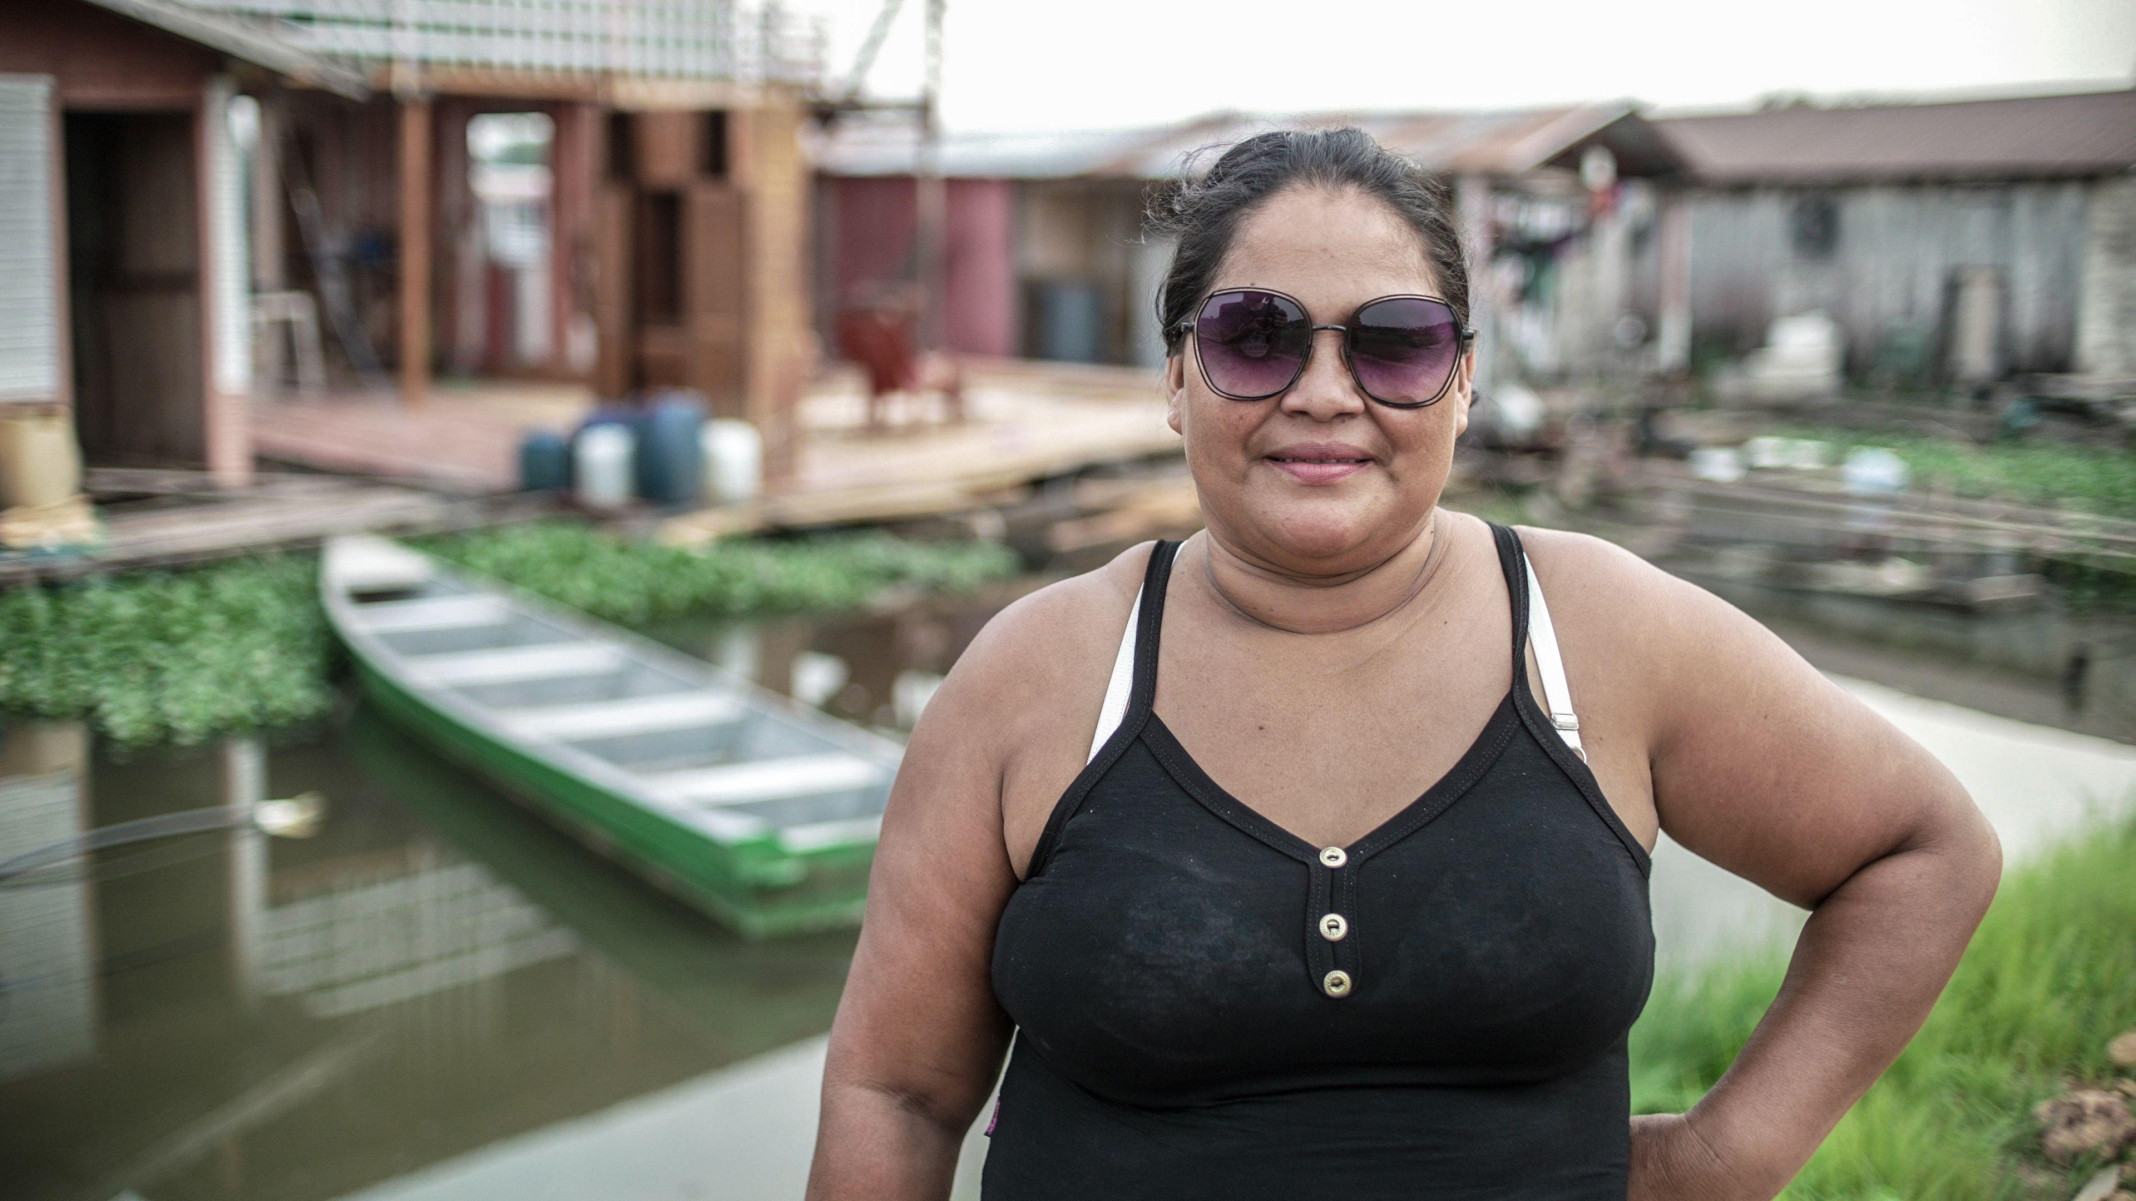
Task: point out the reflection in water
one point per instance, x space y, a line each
224 1015
47 991
877 669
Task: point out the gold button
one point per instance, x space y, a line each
1333 927
1336 983
1333 856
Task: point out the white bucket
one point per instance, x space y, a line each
602 463
734 461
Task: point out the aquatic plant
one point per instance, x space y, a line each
181 657
170 657
629 581
2094 478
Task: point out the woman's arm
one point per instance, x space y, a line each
919 1038
1763 766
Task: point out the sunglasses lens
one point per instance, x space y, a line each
1403 349
1251 343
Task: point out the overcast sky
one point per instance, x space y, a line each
1084 64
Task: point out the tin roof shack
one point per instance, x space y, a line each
122 243
1036 238
1951 242
603 192
1047 257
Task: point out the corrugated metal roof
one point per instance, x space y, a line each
243 42
875 146
2032 137
1484 143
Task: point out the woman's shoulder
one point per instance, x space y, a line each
1576 563
1650 626
1055 643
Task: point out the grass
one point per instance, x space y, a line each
181 657
2098 479
2046 982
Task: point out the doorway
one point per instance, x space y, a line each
134 286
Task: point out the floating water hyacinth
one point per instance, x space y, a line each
182 657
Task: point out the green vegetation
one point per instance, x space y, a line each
2099 479
170 657
632 582
2041 990
183 657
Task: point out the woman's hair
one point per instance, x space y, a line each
1204 214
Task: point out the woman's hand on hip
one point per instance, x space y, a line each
1670 1162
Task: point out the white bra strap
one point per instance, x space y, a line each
1122 683
1557 693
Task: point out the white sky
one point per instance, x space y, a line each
1085 64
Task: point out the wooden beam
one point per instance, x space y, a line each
415 192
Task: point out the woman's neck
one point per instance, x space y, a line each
1267 596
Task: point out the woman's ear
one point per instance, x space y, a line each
1175 388
1464 389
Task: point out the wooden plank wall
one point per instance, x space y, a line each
1893 258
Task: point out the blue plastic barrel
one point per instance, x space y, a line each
670 462
544 462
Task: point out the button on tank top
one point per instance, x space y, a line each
1209 1006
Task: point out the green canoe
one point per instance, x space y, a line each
756 810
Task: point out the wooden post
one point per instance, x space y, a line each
269 248
414 251
931 204
1672 343
1472 214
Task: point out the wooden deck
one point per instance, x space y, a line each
453 461
171 519
1024 422
462 438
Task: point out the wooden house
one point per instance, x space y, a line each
603 193
122 246
1951 241
1047 258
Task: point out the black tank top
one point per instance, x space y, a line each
1209 1006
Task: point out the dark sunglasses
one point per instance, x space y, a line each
1253 344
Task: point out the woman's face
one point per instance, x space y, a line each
1332 250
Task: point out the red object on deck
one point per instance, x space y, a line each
880 340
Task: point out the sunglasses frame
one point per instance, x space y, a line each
1468 336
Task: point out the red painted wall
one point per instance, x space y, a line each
873 221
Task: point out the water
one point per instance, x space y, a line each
440 997
231 1016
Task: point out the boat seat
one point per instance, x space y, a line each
764 779
432 613
634 715
509 663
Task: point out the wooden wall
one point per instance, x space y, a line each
133 285
99 59
1892 254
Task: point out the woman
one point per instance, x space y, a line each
1292 874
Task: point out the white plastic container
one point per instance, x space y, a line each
734 461
602 467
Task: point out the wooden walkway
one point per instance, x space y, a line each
1025 422
167 523
460 439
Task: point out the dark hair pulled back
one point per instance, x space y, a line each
1204 214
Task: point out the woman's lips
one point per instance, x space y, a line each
1319 471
